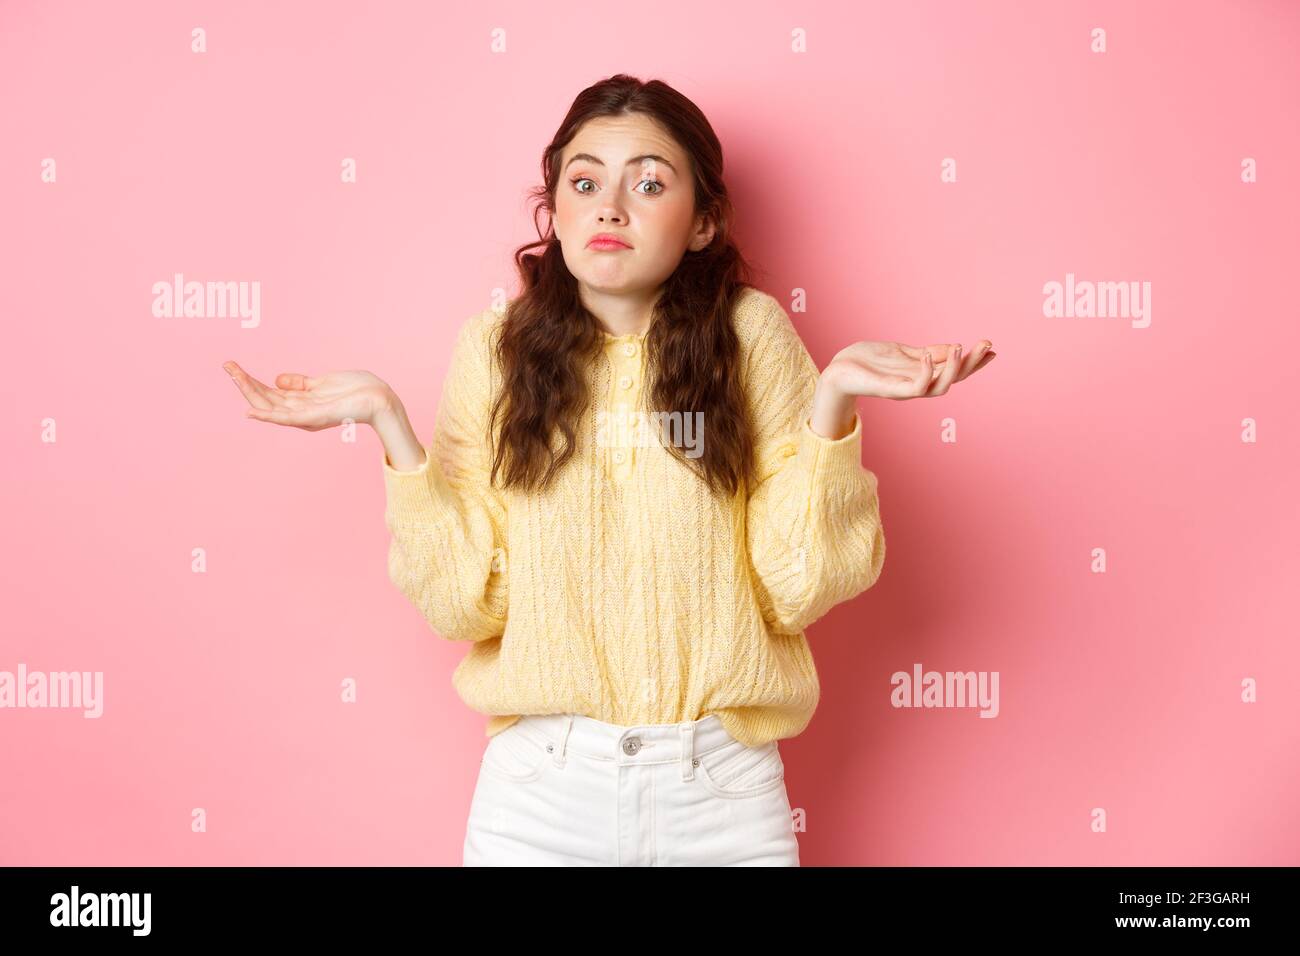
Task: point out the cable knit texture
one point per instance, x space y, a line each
626 591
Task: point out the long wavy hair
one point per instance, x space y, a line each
692 351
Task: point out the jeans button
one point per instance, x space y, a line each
631 745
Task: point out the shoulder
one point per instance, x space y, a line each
472 366
476 338
755 313
768 337
481 328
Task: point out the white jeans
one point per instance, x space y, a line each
567 790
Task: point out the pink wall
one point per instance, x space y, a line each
1119 690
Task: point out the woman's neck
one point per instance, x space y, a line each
622 314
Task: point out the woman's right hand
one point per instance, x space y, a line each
314 403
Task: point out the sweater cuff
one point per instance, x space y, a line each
835 458
411 494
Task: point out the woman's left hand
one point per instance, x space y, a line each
888 370
898 371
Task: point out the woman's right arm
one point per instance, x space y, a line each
448 551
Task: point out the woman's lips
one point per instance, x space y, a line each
606 245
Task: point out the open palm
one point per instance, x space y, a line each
895 370
312 403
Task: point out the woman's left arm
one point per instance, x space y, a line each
813 528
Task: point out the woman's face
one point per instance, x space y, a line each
625 176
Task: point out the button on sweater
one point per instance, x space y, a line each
626 591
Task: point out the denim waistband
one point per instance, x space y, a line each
634 744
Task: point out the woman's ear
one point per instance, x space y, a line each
704 231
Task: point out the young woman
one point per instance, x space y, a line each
640 493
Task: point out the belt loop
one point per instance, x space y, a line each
564 740
687 731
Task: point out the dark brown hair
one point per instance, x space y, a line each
692 351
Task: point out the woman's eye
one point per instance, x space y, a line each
659 187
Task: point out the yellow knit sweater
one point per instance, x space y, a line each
626 592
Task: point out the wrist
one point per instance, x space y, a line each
833 410
388 410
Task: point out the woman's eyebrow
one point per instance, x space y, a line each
635 159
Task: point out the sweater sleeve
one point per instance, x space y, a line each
448 549
813 525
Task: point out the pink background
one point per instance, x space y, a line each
222 690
